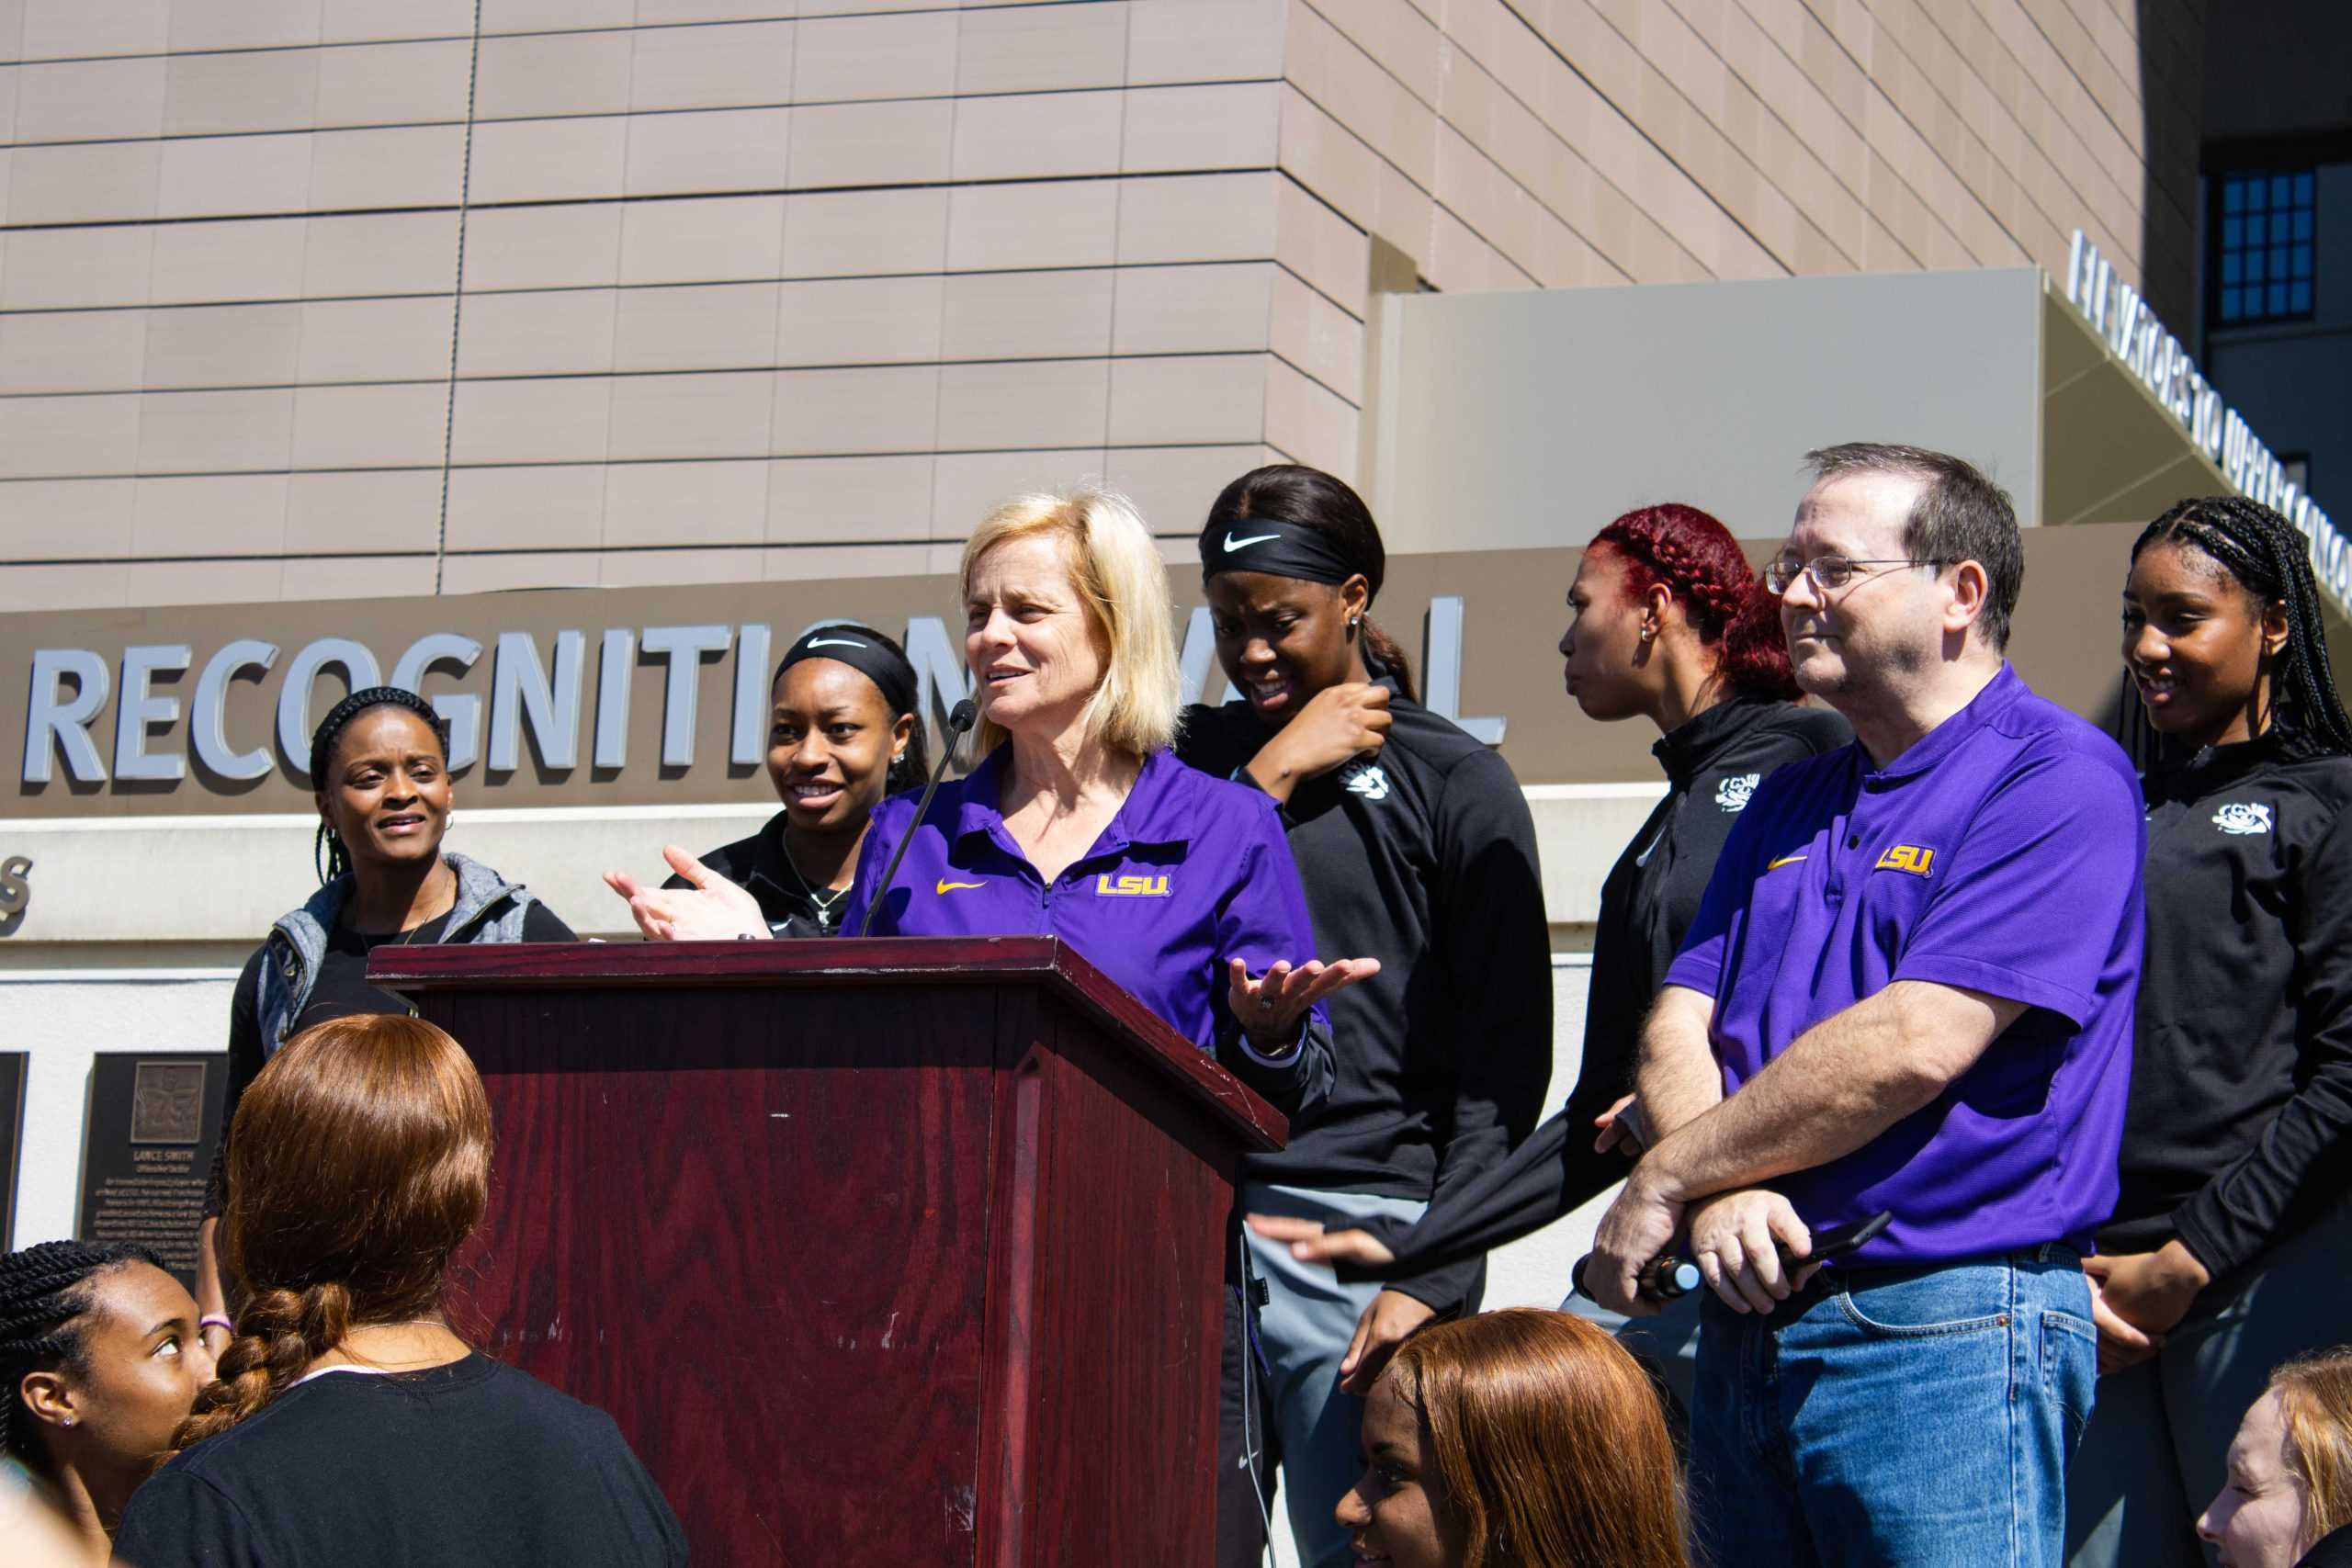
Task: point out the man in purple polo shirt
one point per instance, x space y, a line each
1909 988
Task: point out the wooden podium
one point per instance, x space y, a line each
888 1252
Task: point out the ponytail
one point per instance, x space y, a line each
279 1334
1311 498
358 1164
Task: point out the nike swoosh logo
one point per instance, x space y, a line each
947 888
836 642
1232 544
1784 859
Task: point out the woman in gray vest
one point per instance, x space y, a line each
381 764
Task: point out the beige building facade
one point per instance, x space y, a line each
338 298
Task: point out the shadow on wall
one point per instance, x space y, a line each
2172 38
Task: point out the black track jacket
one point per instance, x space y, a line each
2242 1070
1713 763
1424 857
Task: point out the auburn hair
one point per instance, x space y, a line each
2316 1396
1549 1441
1693 558
358 1163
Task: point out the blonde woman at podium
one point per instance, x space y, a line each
1079 822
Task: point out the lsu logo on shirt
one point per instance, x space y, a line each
1736 790
1108 886
1916 859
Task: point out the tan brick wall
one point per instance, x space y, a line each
749 289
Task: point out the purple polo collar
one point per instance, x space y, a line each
1940 742
1139 819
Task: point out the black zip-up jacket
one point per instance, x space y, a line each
760 867
1424 857
1712 765
2242 1070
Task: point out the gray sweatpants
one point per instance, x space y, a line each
1303 1330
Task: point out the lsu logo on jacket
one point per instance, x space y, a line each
1108 886
1916 859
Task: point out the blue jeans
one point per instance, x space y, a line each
1919 1417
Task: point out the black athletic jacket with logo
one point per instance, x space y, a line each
2242 1069
1422 856
1712 765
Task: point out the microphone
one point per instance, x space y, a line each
1666 1277
1662 1278
962 719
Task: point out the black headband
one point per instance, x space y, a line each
1277 548
851 645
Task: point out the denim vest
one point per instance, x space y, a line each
488 910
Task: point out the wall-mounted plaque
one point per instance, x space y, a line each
13 1065
154 1122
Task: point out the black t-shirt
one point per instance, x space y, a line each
340 991
760 866
470 1462
1422 856
2236 1134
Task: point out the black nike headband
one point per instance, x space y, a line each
1277 548
851 645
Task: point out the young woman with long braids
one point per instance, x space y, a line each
2225 1256
349 1425
1667 623
379 762
1414 846
99 1360
842 734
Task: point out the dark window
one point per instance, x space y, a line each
2264 255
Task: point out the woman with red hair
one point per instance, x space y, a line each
1515 1439
1667 622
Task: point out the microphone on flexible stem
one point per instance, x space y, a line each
963 716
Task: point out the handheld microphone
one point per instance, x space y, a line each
1665 1277
1662 1278
963 716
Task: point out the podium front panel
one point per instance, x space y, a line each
878 1253
764 1253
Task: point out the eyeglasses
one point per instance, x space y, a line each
1830 574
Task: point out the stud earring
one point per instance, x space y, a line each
1649 634
69 1421
1354 621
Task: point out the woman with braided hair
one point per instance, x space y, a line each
379 762
350 1426
1669 623
2225 1254
99 1360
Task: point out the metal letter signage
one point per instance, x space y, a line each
2135 337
